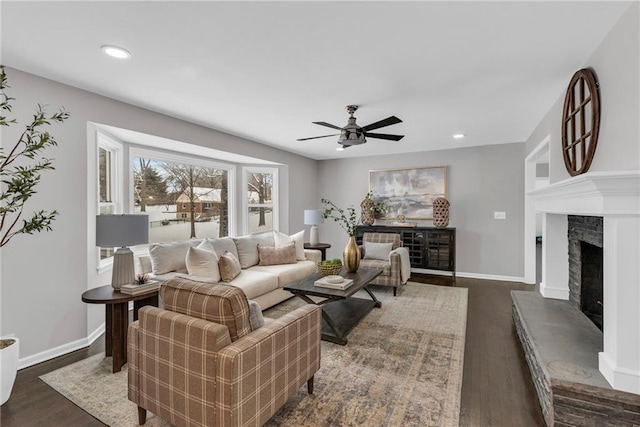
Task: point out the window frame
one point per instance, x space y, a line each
159 155
274 205
107 143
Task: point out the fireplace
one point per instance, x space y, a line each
601 210
586 266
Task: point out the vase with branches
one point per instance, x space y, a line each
20 172
348 220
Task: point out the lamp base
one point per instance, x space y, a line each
313 235
123 270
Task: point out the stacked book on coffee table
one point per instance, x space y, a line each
135 289
334 282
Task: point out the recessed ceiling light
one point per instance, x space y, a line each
341 148
116 52
459 135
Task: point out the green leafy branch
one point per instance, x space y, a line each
19 181
348 221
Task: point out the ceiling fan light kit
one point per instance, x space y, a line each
352 134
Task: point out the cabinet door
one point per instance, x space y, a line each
439 250
414 241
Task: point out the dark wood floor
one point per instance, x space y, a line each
496 389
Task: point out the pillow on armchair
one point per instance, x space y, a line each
379 251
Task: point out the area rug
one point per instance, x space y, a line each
402 366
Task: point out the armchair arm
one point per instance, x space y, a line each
172 358
400 261
260 371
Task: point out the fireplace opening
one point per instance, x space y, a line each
591 272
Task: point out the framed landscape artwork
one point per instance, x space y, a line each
408 192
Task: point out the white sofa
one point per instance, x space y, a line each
261 283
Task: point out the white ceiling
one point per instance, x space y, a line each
265 70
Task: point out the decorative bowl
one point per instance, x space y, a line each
334 279
329 269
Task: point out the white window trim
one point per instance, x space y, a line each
274 197
116 148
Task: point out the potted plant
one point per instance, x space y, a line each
20 169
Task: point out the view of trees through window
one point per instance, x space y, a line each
259 201
182 200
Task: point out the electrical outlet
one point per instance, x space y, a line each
499 215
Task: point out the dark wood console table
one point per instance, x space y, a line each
429 247
117 317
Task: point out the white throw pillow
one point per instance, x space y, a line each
282 239
378 251
203 262
166 257
247 247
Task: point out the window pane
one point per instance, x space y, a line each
182 200
260 219
259 188
105 175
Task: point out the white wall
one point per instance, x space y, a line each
44 275
480 180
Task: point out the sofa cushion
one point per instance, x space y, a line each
285 273
247 247
166 257
229 267
203 262
219 303
282 239
272 255
222 244
379 251
255 283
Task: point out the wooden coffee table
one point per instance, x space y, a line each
340 310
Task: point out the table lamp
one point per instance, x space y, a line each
122 231
313 217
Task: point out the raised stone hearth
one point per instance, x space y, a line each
561 346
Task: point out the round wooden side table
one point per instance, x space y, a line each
117 317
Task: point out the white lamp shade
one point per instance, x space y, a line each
121 230
313 217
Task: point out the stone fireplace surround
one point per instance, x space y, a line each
615 196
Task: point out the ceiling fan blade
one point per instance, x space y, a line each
329 125
316 137
384 136
382 123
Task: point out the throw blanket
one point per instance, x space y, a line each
405 264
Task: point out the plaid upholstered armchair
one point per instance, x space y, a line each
384 250
197 362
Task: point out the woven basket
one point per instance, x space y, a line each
329 270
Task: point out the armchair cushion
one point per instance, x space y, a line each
223 304
379 251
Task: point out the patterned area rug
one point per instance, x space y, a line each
402 366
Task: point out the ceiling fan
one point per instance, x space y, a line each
352 134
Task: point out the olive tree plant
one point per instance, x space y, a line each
20 168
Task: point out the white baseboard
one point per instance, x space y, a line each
470 275
60 350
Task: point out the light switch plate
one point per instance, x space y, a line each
499 215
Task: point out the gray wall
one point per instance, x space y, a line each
480 180
44 275
616 65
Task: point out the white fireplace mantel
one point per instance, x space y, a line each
616 197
